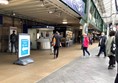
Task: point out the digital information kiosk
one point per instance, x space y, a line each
23 50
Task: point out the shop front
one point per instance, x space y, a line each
41 37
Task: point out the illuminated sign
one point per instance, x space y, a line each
24 45
77 5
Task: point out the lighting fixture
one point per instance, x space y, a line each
4 2
42 3
65 22
50 11
53 10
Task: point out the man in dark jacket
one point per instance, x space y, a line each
13 40
116 40
56 44
102 45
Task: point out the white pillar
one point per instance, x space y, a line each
85 27
107 30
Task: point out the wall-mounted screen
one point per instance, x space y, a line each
77 5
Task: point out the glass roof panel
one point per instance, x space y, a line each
109 8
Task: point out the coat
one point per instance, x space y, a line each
108 45
116 40
85 41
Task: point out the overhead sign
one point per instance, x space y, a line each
24 45
77 5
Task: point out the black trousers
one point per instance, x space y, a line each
13 45
56 51
111 60
85 50
116 79
102 49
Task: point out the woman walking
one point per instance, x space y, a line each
109 52
85 44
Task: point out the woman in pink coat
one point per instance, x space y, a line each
85 44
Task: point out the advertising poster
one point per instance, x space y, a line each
76 5
24 45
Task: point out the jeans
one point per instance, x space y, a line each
13 45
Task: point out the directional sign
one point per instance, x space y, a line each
24 45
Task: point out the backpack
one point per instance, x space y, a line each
53 41
13 38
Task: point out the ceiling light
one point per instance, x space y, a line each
65 22
42 3
50 11
4 2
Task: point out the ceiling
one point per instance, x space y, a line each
38 10
107 10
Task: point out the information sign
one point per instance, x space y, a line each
24 45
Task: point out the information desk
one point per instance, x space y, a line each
44 43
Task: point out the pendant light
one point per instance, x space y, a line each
4 2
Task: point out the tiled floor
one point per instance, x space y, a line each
83 70
44 65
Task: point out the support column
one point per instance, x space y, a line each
85 27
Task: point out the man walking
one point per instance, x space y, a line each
102 45
116 42
56 42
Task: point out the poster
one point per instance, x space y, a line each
24 45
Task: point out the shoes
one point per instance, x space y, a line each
113 66
97 55
90 55
110 67
55 57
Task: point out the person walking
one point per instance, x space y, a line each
102 45
109 53
13 40
56 42
116 53
85 44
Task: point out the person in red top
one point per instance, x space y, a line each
85 44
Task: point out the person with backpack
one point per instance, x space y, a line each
102 45
109 49
56 42
13 40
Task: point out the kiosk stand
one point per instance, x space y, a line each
23 50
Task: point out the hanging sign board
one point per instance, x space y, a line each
24 45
